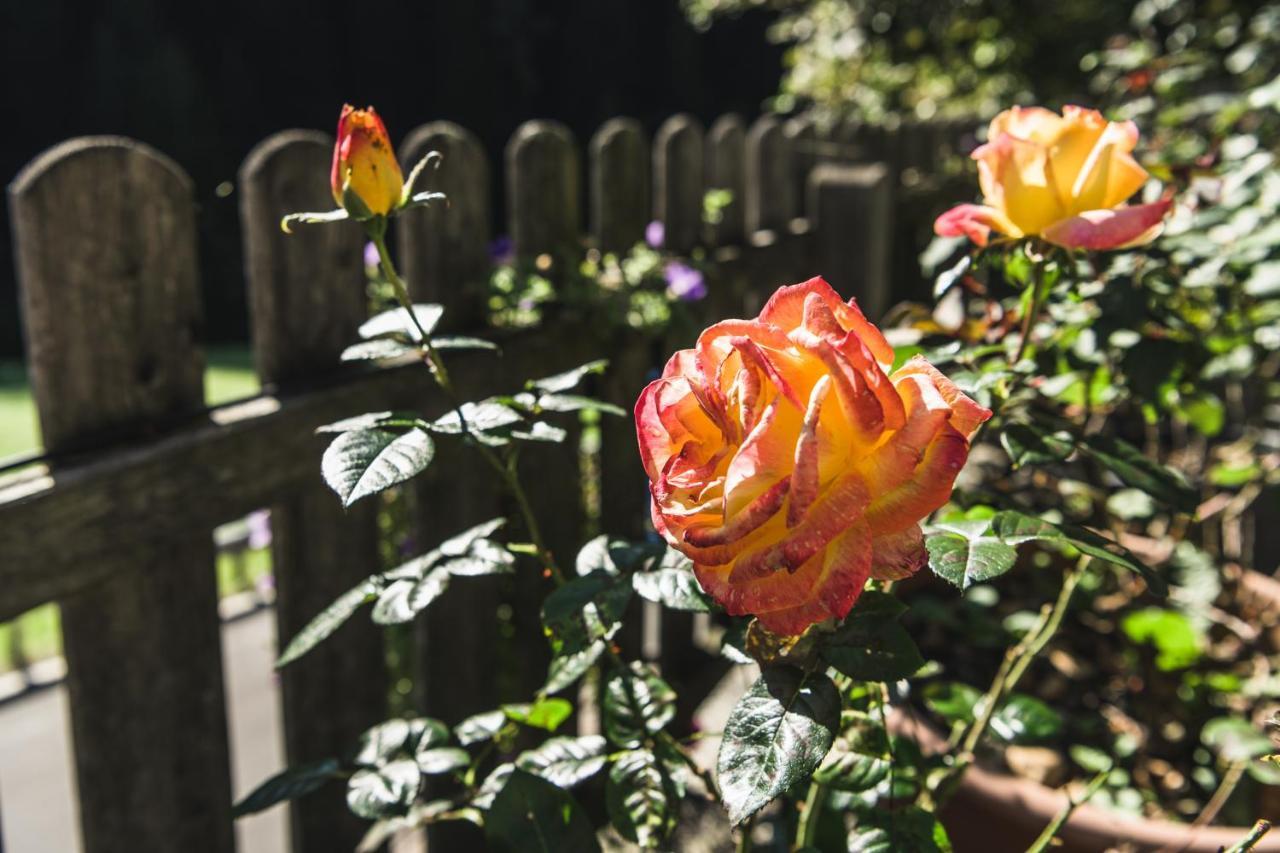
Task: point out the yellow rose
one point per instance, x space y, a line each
1064 178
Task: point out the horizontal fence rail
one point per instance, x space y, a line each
115 522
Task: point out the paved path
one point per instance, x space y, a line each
37 788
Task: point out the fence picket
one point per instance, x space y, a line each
852 209
308 296
678 181
443 248
770 196
726 170
619 155
104 230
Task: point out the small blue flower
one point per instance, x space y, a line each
371 256
684 282
654 234
502 250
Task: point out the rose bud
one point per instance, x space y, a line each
1064 178
790 466
366 179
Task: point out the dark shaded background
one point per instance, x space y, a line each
204 82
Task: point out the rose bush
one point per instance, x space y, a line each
1064 178
791 465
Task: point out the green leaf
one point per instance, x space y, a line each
576 403
404 599
584 610
313 218
870 645
397 322
445 759
613 556
1235 739
539 431
545 714
374 350
642 799
492 784
565 761
329 620
389 789
1178 644
1027 444
1135 469
776 736
859 759
479 727
531 814
568 380
364 462
399 737
1130 504
637 703
486 420
951 700
892 831
675 588
371 420
965 554
568 668
1024 719
463 342
290 784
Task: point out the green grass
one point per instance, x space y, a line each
229 375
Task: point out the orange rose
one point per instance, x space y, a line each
1064 178
364 164
788 465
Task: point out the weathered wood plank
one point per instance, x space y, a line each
726 169
770 195
678 181
307 298
802 134
619 155
105 244
544 204
444 249
852 210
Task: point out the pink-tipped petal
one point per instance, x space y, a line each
805 479
1110 229
975 221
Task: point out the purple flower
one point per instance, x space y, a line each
371 255
259 523
684 282
502 250
654 234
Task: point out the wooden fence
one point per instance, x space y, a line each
114 522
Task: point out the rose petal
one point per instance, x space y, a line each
966 415
785 309
804 480
895 556
746 520
974 221
1110 229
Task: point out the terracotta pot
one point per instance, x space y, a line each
995 812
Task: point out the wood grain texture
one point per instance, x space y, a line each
852 212
105 243
678 184
726 169
770 196
307 290
444 248
544 204
619 155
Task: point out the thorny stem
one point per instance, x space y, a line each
1251 840
1045 841
1033 311
1015 664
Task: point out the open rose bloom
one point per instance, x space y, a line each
790 466
1064 178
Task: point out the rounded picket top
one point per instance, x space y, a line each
726 170
444 247
543 188
770 199
104 241
678 162
619 155
305 294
